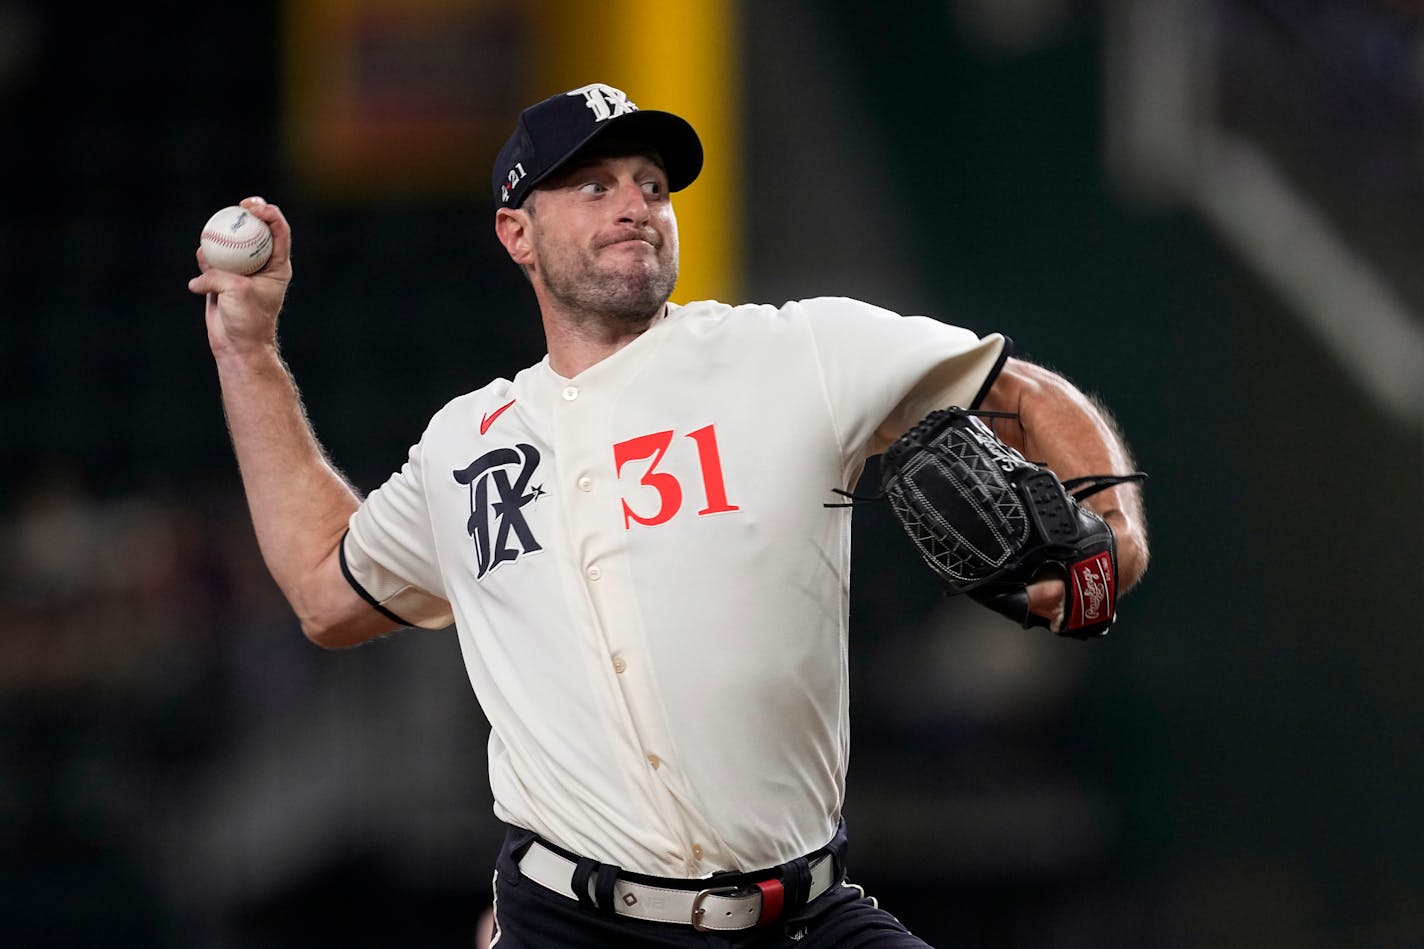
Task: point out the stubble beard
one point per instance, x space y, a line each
615 298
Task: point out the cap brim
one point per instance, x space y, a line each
671 136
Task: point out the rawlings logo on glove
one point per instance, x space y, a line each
989 522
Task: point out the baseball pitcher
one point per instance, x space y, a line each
639 545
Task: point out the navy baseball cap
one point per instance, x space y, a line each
555 130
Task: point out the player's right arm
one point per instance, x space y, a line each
300 503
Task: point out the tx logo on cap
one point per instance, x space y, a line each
606 102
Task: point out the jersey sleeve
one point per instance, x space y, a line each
884 372
388 554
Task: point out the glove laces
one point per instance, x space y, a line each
1078 489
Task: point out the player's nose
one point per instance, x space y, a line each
632 202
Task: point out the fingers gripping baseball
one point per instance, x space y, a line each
241 310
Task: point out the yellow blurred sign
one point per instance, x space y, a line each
413 98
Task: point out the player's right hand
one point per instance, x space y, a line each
241 311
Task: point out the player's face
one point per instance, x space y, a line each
605 237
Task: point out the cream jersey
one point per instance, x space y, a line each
650 596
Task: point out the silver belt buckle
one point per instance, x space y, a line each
698 910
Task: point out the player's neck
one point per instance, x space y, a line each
578 341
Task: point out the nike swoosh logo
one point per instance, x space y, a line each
488 420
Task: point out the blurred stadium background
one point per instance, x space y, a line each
1208 212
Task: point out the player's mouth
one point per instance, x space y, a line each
634 240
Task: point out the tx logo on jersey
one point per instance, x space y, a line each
499 491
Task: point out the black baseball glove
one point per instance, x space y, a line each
989 522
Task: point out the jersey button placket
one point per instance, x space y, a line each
576 421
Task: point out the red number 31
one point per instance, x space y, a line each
669 489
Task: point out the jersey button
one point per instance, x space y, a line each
620 665
655 761
570 393
585 484
696 851
595 572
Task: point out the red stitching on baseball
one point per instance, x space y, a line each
218 238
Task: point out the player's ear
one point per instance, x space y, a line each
512 227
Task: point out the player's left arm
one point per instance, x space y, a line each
1071 433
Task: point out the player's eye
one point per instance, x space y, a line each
652 188
591 187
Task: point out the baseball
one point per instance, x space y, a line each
237 241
